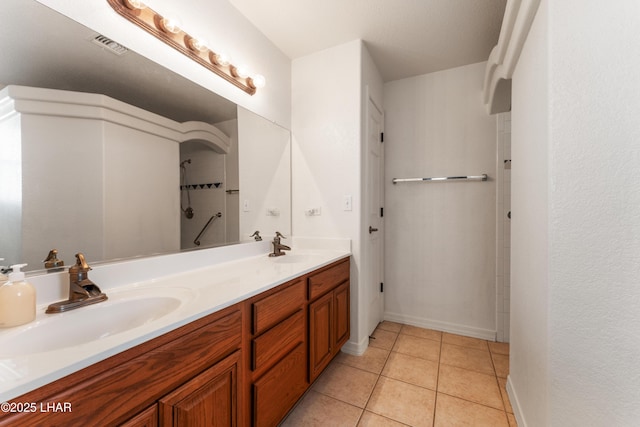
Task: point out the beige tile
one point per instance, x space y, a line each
499 347
421 332
464 341
390 326
467 358
418 347
451 411
512 420
501 363
502 382
413 370
369 419
383 339
372 360
345 383
315 409
470 385
402 402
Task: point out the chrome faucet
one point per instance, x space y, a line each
278 247
82 291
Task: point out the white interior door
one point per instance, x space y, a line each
374 216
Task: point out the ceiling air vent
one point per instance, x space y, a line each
110 45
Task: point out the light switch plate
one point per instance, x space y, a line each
347 203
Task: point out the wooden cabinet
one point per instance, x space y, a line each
208 400
247 364
328 316
147 418
277 364
120 389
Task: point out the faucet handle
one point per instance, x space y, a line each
278 234
256 235
52 260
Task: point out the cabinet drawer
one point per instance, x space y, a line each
278 341
328 279
277 307
275 393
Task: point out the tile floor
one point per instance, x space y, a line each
411 376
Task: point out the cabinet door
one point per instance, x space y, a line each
320 334
275 393
146 418
208 400
341 315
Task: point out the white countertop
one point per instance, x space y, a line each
205 290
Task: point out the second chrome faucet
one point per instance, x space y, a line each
277 246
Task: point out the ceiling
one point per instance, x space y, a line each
405 37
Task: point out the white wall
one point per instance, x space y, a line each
326 114
10 185
576 223
503 228
218 22
440 237
530 181
264 150
594 211
232 203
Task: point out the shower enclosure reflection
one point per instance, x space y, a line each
60 54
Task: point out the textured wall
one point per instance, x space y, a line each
594 213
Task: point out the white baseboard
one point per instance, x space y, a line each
356 348
515 404
469 331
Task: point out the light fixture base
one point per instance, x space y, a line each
150 21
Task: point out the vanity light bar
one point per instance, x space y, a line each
170 32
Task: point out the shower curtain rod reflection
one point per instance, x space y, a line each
482 177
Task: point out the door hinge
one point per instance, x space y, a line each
381 136
381 212
381 287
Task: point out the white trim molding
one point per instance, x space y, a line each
518 17
453 328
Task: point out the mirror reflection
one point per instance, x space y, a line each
159 166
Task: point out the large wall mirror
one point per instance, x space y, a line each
134 194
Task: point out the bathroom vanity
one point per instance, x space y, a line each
244 364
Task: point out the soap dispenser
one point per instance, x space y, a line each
17 299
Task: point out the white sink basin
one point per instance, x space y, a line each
123 311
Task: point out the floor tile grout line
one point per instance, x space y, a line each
435 402
376 383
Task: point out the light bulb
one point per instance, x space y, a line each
257 81
135 4
197 44
170 25
240 71
221 58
